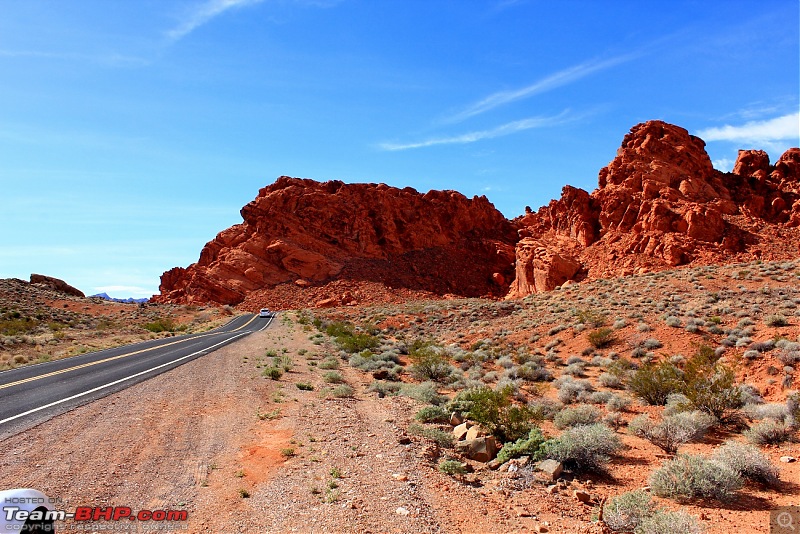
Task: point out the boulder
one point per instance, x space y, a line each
482 449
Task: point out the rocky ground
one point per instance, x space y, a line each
292 429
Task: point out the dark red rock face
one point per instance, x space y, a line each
308 233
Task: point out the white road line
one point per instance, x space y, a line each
120 380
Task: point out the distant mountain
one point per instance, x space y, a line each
105 296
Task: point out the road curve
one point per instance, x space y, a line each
32 394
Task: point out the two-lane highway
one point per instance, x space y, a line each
32 394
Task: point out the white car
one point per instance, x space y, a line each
265 313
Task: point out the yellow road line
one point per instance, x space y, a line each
31 379
253 318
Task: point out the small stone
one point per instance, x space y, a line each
399 476
581 496
456 419
460 431
403 440
788 459
402 511
475 432
494 464
542 528
552 468
553 489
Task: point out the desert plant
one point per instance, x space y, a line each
582 448
601 337
689 477
441 438
775 320
769 432
527 446
625 512
748 461
709 385
272 372
582 414
666 522
494 410
429 364
653 383
673 430
452 467
432 414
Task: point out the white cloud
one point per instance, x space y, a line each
723 164
471 137
786 127
203 13
548 83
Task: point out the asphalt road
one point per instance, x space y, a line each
32 394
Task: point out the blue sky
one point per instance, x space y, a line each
132 132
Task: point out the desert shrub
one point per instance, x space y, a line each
432 414
768 432
673 430
332 377
652 343
305 386
709 385
452 467
384 388
748 461
274 373
775 320
569 389
689 477
526 446
610 381
775 411
582 448
425 392
576 369
162 324
617 403
653 383
601 337
349 340
666 522
494 410
329 363
428 363
583 414
342 391
623 513
440 437
544 408
591 317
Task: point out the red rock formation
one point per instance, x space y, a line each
309 233
660 203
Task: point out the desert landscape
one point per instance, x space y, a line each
617 361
